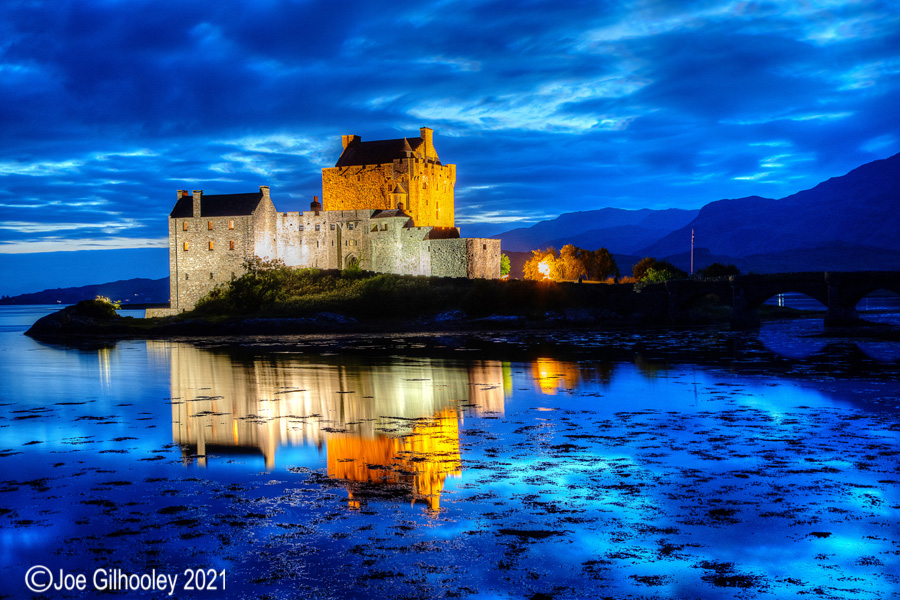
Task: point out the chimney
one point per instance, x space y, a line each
315 206
198 196
347 140
427 135
264 190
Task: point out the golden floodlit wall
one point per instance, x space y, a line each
415 180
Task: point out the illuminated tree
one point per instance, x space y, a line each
571 264
504 265
542 265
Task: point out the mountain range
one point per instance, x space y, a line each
850 222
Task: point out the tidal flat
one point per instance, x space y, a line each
553 464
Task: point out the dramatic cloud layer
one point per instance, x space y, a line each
109 106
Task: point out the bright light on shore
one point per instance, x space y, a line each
544 269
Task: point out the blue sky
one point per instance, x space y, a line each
110 106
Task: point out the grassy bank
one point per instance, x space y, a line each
283 291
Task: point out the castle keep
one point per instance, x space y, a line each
387 206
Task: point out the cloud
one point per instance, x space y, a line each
61 244
109 107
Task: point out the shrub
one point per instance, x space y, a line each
116 304
100 308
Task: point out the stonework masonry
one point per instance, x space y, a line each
387 217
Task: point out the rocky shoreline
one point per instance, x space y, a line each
85 320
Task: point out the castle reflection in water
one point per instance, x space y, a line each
381 422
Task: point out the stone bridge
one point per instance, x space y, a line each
838 291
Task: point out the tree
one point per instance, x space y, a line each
600 264
640 270
570 264
663 270
719 270
505 267
667 267
542 265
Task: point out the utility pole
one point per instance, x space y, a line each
692 251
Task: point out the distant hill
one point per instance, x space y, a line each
847 223
616 229
129 291
858 210
27 272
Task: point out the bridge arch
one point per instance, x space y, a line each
852 298
758 297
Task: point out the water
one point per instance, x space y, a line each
498 465
874 303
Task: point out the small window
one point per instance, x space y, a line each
300 228
374 227
231 245
186 246
318 227
211 276
350 226
211 245
231 224
484 246
332 242
184 225
209 225
332 227
187 276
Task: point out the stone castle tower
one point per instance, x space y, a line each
404 173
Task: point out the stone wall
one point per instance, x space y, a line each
482 258
448 258
431 188
359 187
205 252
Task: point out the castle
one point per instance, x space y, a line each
387 206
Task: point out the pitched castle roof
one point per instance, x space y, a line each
217 205
389 213
378 152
